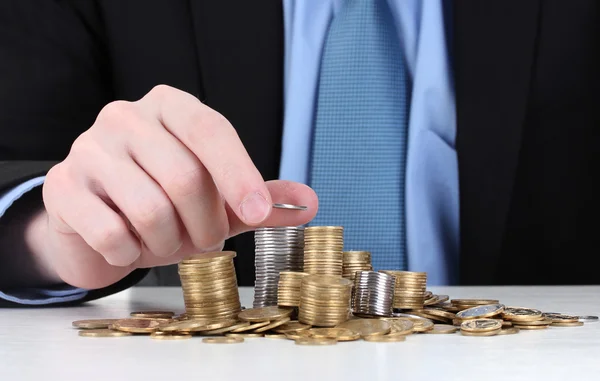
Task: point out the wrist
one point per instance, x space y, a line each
37 245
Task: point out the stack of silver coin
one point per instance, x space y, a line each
277 249
373 293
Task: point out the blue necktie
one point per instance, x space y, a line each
360 134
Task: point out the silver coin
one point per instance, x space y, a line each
290 206
277 249
480 310
588 318
373 293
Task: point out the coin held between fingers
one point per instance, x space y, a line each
290 206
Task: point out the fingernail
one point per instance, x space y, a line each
255 208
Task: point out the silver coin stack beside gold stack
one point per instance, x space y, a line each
209 283
410 289
323 246
373 294
354 261
277 249
288 291
324 300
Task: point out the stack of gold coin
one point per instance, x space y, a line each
288 290
323 246
324 300
209 283
410 289
354 261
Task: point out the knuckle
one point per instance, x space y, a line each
161 91
54 175
186 183
152 212
52 185
59 181
108 239
82 145
117 114
210 123
213 235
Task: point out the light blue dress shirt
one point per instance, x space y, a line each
432 201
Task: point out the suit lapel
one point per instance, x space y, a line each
240 53
494 46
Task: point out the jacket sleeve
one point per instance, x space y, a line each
55 78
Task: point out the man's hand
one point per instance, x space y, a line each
149 183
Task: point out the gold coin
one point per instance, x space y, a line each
533 322
439 313
521 314
480 325
209 257
198 325
531 327
339 334
291 326
272 325
297 334
567 324
442 328
169 336
223 340
152 314
102 333
447 306
227 329
385 338
508 331
561 318
314 341
430 316
275 336
137 325
367 327
486 333
326 282
402 326
265 313
422 325
94 323
251 327
244 335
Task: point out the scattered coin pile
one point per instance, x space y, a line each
323 246
277 249
337 298
277 323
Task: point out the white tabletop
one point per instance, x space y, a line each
40 344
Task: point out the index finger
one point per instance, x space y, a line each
211 137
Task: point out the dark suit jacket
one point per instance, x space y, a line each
527 88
